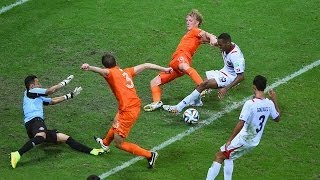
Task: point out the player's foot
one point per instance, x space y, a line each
153 106
196 103
172 109
205 92
99 141
15 158
152 159
97 152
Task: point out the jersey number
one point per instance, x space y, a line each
223 79
129 83
261 118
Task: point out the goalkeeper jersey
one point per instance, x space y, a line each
33 102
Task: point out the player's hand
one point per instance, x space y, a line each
85 66
272 94
213 41
74 93
222 92
168 70
66 81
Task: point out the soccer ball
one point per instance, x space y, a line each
191 116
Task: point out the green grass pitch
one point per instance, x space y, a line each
53 38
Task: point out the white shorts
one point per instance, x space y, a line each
221 78
236 149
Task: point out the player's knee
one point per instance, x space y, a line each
204 85
117 144
62 137
155 81
183 67
220 157
41 134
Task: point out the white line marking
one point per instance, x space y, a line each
7 8
208 121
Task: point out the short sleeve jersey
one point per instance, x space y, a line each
33 102
255 113
234 62
189 43
122 86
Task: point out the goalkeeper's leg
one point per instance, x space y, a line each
76 145
15 156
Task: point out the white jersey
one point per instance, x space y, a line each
255 113
234 62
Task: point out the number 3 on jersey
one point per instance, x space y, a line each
261 118
129 83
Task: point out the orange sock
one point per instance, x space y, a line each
194 75
135 149
156 93
109 137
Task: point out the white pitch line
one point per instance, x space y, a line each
7 8
208 121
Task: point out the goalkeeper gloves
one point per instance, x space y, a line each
74 93
66 81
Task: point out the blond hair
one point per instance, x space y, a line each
195 13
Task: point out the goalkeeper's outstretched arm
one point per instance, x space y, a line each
56 87
70 95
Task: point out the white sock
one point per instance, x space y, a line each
213 171
228 169
186 101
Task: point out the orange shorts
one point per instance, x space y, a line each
174 64
124 121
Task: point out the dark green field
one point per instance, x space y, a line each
51 39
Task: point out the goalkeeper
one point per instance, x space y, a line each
33 101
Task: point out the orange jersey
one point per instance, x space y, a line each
189 43
121 84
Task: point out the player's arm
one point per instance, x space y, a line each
102 72
70 95
56 87
208 38
273 97
139 68
236 130
236 81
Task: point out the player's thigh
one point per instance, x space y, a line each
167 77
240 151
125 120
236 149
118 139
217 79
180 63
36 127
